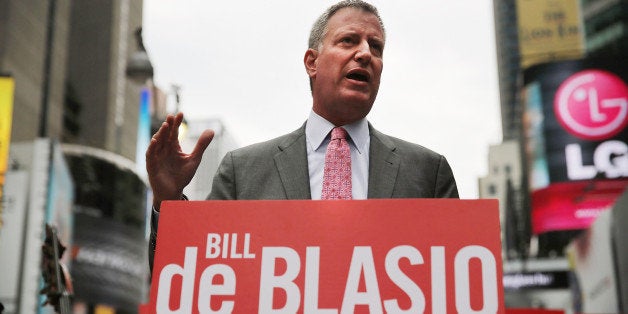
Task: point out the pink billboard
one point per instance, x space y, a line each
576 139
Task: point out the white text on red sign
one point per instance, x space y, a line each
362 266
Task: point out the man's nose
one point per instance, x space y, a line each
363 53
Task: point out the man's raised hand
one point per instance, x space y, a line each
169 168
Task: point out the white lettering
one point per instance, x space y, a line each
188 272
417 299
516 281
225 245
312 267
214 248
589 212
207 288
614 167
213 245
361 287
362 263
439 292
247 246
269 281
489 279
234 247
575 169
610 158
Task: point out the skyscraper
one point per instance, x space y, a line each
508 66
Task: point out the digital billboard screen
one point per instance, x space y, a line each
576 139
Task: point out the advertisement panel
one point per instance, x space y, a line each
109 255
549 31
555 279
575 124
11 237
109 265
58 209
60 199
7 86
370 256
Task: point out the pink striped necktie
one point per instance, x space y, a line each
337 173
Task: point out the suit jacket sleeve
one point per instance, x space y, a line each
152 241
400 169
223 185
445 186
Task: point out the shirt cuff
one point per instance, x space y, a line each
154 218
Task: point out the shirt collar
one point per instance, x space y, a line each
317 129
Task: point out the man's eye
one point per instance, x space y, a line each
378 48
346 40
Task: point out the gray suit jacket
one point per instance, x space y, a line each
277 170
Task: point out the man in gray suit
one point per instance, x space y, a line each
344 63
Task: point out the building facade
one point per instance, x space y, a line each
105 103
34 51
69 60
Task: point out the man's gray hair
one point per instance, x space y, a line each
319 29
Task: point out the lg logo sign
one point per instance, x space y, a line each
593 105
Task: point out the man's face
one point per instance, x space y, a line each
346 69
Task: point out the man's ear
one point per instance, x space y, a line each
309 60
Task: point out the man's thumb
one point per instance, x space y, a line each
203 141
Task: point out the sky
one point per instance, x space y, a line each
242 62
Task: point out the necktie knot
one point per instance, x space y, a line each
338 133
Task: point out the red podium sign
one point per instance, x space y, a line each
372 256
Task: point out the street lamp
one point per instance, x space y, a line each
139 68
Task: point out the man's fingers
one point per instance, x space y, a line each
151 155
160 139
176 122
202 143
156 142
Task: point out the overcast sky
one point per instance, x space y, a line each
242 61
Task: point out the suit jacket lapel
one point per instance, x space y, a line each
291 163
383 165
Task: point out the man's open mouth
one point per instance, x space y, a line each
357 76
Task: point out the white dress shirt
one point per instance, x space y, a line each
317 131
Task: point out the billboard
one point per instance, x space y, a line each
60 198
549 30
12 237
7 86
576 139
